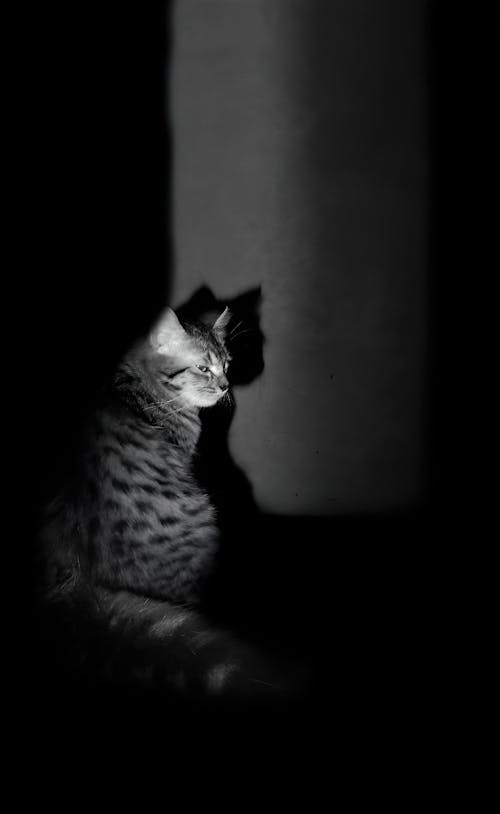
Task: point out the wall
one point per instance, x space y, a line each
300 163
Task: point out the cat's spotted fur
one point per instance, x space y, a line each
131 540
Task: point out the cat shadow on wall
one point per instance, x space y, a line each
228 485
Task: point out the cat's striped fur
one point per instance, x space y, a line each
131 539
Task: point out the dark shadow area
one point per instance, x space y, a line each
99 204
463 84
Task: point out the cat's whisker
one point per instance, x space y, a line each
225 401
162 403
175 412
235 327
170 413
246 331
266 683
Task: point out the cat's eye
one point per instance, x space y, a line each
203 368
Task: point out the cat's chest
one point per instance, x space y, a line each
143 473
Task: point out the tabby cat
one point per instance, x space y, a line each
130 541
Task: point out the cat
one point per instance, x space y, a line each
129 544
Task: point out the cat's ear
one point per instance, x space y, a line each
220 325
168 333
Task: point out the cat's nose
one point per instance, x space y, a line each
223 383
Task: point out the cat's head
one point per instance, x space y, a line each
191 359
244 337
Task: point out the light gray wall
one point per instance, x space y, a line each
300 165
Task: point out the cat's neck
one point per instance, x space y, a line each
179 424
